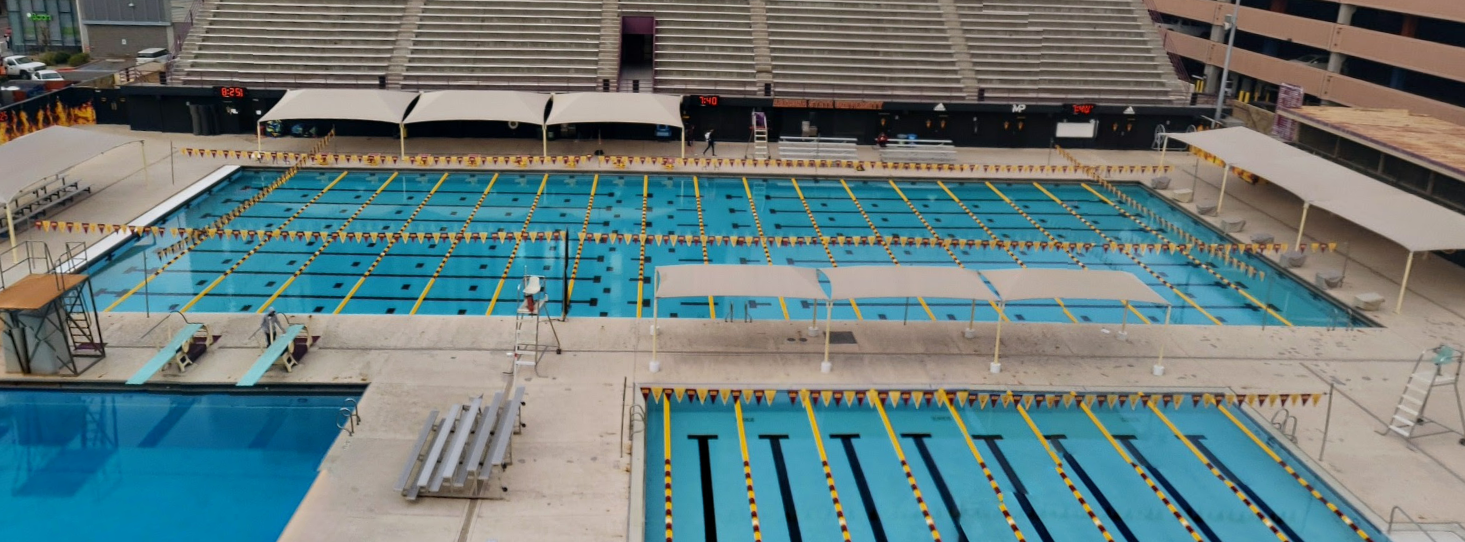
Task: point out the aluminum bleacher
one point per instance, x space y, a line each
702 46
548 45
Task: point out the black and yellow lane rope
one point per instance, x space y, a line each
824 462
966 436
179 249
1051 238
328 242
932 230
584 231
509 266
1164 499
758 224
1131 257
1062 473
1197 262
641 257
747 467
1149 402
666 455
441 264
702 232
1342 516
876 231
822 240
262 244
905 466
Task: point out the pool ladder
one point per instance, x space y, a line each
1400 512
1286 424
349 417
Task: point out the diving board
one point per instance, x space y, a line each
180 350
282 351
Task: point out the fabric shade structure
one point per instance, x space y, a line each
886 281
673 281
1036 283
480 105
388 106
618 107
32 157
1399 216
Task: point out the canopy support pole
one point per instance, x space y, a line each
684 141
147 178
1164 146
814 322
997 348
259 146
1159 369
402 129
1300 225
826 366
1403 285
1225 175
10 225
971 326
544 138
655 304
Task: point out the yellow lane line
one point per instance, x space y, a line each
641 260
747 470
702 231
666 462
1216 472
1058 465
328 243
1192 258
1138 470
966 436
584 230
452 247
937 235
873 396
822 241
517 243
824 460
871 223
1131 257
758 223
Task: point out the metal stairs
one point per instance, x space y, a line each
1432 370
760 135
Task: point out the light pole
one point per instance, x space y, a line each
1226 66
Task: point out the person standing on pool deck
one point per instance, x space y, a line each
271 326
711 144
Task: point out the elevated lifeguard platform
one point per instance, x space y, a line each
51 325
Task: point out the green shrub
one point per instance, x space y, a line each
59 58
79 59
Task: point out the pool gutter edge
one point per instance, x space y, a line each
636 513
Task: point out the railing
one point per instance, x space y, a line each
31 254
349 417
819 148
919 150
1400 511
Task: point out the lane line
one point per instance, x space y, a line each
702 231
758 223
666 450
328 242
823 241
1058 465
874 397
457 239
824 460
641 260
871 223
517 243
584 232
937 235
1131 257
1071 256
747 471
942 396
1188 255
1138 470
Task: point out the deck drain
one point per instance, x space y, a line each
842 337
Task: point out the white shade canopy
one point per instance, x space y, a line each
738 281
480 105
32 157
1411 221
862 282
1035 283
632 108
342 104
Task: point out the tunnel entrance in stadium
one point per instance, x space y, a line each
638 53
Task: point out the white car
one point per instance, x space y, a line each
47 75
22 66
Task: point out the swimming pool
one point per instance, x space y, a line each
985 466
610 280
158 467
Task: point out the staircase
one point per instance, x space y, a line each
1432 370
83 329
408 30
952 16
608 68
762 53
200 26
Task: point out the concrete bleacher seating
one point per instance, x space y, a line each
702 46
511 44
861 48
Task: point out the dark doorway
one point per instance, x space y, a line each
638 53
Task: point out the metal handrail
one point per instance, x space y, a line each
165 320
25 253
349 416
1400 511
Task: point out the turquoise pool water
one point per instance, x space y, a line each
157 467
710 501
230 275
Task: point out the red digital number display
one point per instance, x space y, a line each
1083 109
709 101
231 92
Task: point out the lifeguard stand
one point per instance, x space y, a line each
51 323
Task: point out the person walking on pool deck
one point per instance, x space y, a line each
711 144
271 326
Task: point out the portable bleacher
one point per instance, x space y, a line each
462 452
183 350
288 349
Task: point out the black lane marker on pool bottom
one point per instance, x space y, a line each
1083 476
1255 498
941 489
1200 523
709 515
785 490
866 498
1019 490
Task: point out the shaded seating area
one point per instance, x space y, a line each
33 180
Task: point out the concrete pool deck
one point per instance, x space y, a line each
571 475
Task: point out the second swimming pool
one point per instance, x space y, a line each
613 280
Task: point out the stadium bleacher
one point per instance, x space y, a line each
1031 51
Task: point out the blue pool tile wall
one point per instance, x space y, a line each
610 280
158 467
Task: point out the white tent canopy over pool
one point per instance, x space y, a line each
480 105
887 281
1399 216
33 157
619 107
388 106
786 281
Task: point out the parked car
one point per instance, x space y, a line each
156 54
47 75
22 66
